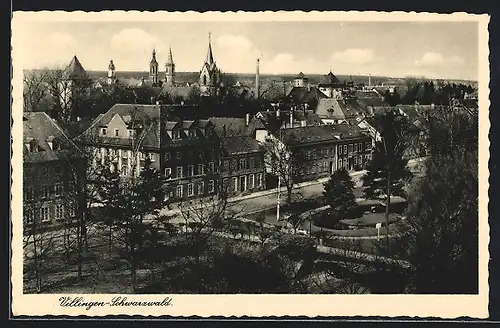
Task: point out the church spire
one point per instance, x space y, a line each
170 59
210 56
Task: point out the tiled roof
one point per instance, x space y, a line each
305 94
366 94
323 133
147 115
229 126
38 128
371 101
329 79
241 145
329 108
75 70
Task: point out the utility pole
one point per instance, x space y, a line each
279 166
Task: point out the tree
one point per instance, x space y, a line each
388 171
441 238
194 95
339 195
34 90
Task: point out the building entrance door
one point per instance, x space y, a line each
332 168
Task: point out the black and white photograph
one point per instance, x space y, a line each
227 154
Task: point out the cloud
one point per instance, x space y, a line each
355 56
133 41
456 60
430 59
236 53
288 64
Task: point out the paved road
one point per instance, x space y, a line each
307 191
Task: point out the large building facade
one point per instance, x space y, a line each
53 174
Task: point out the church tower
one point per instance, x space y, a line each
111 72
170 70
209 75
153 69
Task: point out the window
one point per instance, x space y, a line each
176 135
350 148
125 171
340 163
313 153
355 147
224 184
235 184
179 172
167 156
72 212
257 162
226 165
111 153
192 133
201 188
179 155
179 191
46 191
57 169
345 149
151 157
104 131
46 171
130 133
251 181
44 213
211 168
368 145
190 170
332 152
360 147
29 216
29 193
58 189
190 154
233 165
190 190
117 133
355 160
251 163
360 160
59 211
201 169
345 163
340 150
168 173
211 186
259 179
243 164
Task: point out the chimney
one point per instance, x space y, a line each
257 77
247 119
291 118
308 88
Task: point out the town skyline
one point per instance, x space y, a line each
434 50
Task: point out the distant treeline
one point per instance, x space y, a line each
427 92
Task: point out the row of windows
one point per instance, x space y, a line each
178 155
116 133
244 164
115 153
192 188
243 182
350 148
342 149
179 173
46 191
48 212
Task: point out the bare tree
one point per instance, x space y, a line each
34 89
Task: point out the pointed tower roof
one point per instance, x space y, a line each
153 58
330 79
170 59
210 57
74 70
111 65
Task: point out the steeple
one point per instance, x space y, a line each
170 59
210 57
111 72
153 68
170 69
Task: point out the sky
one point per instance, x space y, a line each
431 49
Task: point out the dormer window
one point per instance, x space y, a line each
130 133
192 133
117 133
176 135
28 146
104 131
